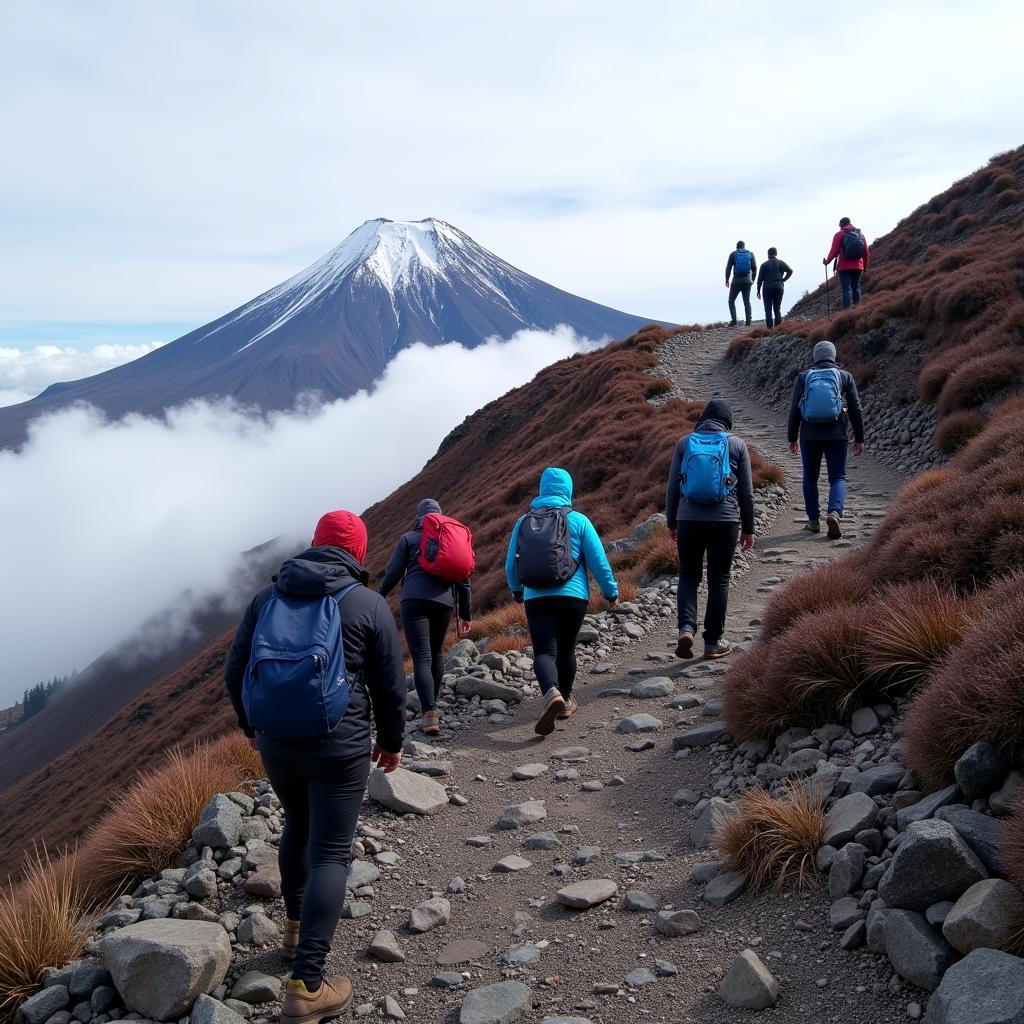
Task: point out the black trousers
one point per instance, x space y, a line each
772 295
554 625
321 797
718 542
740 284
426 624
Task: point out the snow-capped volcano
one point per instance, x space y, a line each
333 327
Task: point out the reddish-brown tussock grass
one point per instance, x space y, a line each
914 626
658 386
956 429
976 693
773 840
1011 856
659 557
505 642
925 482
629 587
44 922
506 618
980 379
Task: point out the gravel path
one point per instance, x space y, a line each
632 811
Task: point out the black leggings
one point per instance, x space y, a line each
425 624
772 294
321 797
554 625
693 540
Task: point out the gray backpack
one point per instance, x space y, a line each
544 549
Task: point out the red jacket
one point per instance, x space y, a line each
837 250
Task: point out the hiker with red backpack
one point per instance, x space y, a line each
742 266
433 561
709 507
851 247
823 406
315 653
550 552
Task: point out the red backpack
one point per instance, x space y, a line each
446 548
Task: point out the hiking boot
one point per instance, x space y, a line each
570 709
733 323
430 723
812 526
834 529
289 940
719 649
684 646
748 323
554 704
331 999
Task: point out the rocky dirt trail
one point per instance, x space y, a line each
613 817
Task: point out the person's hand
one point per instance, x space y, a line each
746 541
794 448
824 262
386 761
517 596
672 532
726 284
612 601
858 449
465 625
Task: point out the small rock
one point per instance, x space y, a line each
675 923
526 772
526 813
385 948
208 1010
430 914
258 930
254 987
749 985
542 841
527 953
637 900
501 1003
656 686
710 820
988 914
864 722
391 1009
725 887
590 893
848 816
918 954
38 1008
640 723
980 770
986 987
639 978
512 863
407 792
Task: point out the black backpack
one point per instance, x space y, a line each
852 244
544 549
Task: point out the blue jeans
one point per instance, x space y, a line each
849 281
835 462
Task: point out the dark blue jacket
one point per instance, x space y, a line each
417 583
373 657
838 431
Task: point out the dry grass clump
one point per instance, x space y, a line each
773 840
505 642
509 617
658 386
914 626
658 557
957 429
979 379
44 922
976 693
1011 855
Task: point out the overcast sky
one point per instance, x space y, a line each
167 162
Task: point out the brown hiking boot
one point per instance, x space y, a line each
570 709
835 531
553 705
289 940
684 646
813 526
331 999
430 724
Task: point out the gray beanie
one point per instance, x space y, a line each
824 351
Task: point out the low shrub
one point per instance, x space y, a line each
980 378
505 642
773 840
506 618
956 429
925 482
658 386
976 693
659 557
1011 856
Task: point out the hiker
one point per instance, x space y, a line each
771 280
742 266
709 506
823 402
428 600
549 554
850 245
314 735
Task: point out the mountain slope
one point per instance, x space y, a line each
332 328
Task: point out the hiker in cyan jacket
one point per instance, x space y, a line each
771 280
822 408
321 774
850 245
709 506
550 552
427 605
742 266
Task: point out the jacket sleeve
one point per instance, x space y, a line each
753 264
867 252
793 428
672 490
760 276
510 562
729 264
853 407
384 678
395 568
787 270
745 489
464 597
237 660
596 560
837 245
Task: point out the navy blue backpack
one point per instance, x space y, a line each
741 261
296 685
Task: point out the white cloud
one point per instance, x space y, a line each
107 523
26 372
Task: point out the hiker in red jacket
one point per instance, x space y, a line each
850 245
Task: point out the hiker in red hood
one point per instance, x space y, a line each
850 245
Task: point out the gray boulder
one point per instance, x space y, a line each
724 888
487 689
700 736
640 723
981 832
847 870
883 778
80 978
501 1003
160 967
430 914
407 792
988 915
931 864
715 813
1003 800
986 987
916 951
208 1010
584 895
258 930
255 987
926 807
656 686
199 881
980 770
749 985
848 816
220 824
41 1006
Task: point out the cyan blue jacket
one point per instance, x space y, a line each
587 549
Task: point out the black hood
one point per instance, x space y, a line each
717 415
424 508
318 572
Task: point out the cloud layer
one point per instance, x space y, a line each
107 523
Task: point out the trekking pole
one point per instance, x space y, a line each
828 297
